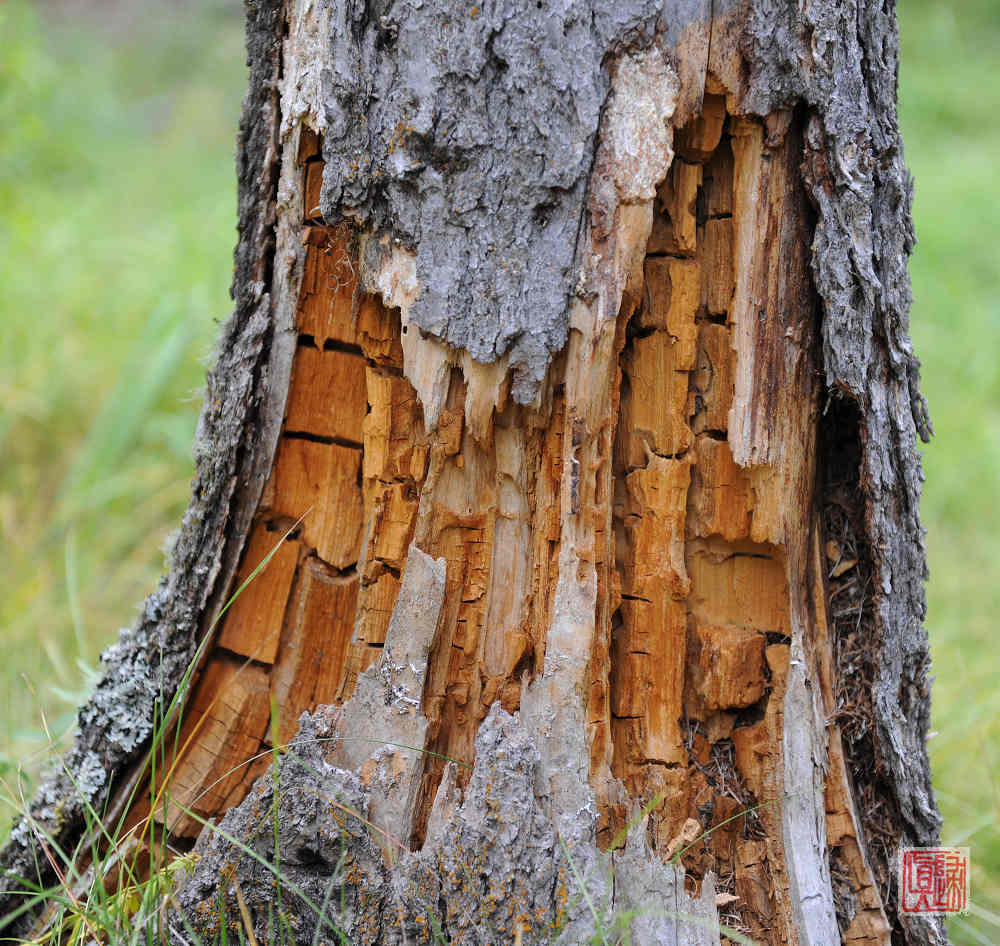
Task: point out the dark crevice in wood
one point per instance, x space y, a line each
224 652
333 344
347 574
318 438
753 714
280 525
856 648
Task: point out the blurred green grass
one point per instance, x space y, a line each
948 94
117 208
117 222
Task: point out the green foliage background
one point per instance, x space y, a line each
117 214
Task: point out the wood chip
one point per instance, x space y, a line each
843 566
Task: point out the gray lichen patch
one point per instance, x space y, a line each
495 865
123 701
468 133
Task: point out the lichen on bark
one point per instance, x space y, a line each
493 868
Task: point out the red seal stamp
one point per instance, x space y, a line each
934 880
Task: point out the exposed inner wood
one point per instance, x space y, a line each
700 622
699 554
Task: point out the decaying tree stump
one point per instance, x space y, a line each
570 352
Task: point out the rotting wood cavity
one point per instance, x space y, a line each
709 556
850 593
699 622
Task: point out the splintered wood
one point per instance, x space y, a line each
711 554
700 542
700 638
289 639
353 466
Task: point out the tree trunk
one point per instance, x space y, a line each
570 351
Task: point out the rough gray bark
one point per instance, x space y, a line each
492 864
505 104
502 112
